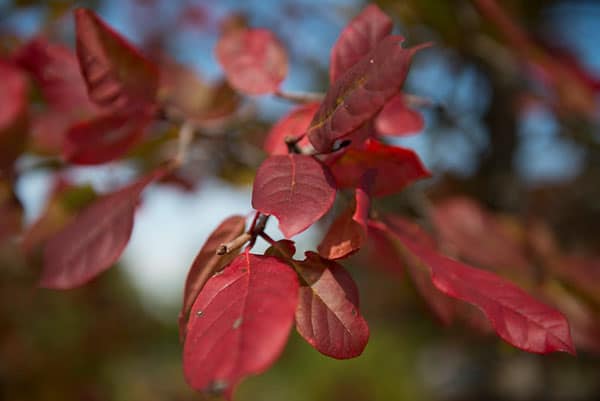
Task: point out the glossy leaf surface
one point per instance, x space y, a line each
239 323
254 60
297 189
207 262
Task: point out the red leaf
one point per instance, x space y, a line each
94 240
56 71
327 315
395 167
348 232
104 138
13 96
117 75
207 262
293 125
359 37
397 119
254 60
239 323
297 189
461 222
13 113
517 318
360 93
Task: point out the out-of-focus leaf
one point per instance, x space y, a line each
254 60
104 138
94 240
293 125
13 112
239 323
461 222
117 75
207 262
11 213
516 316
358 38
360 93
297 189
394 167
397 119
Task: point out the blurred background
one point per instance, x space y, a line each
512 122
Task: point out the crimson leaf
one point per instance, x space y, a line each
359 37
104 138
396 118
395 167
207 262
327 315
117 75
13 112
94 240
292 125
517 318
239 323
297 189
254 60
360 93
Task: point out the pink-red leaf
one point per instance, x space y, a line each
94 240
517 317
397 119
239 323
395 167
461 222
328 316
207 262
117 75
104 138
360 93
348 232
297 189
254 60
13 95
292 125
359 37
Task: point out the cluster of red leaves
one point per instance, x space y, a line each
238 309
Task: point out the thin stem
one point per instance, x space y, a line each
186 134
256 228
300 97
234 244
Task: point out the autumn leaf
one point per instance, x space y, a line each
517 317
394 167
254 60
293 125
360 93
297 189
94 240
239 323
348 232
357 39
117 75
104 138
327 316
207 262
397 119
14 90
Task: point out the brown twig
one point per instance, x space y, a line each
256 228
300 97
